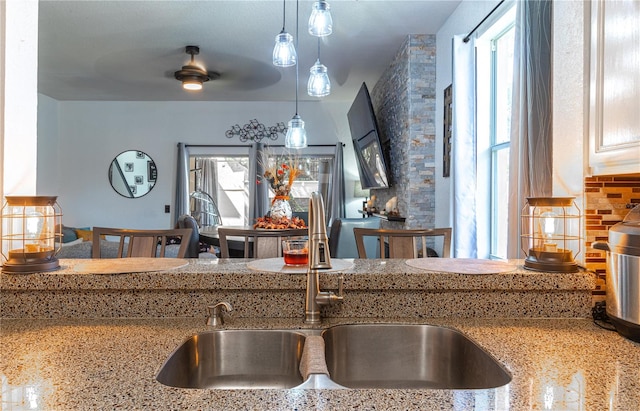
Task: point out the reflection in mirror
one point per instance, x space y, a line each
132 174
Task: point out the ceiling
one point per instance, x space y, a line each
128 50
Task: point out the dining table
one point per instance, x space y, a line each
209 235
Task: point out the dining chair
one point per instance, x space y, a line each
258 243
342 242
188 221
142 243
412 243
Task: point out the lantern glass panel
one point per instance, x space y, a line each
31 233
550 234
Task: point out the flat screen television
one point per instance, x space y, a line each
371 151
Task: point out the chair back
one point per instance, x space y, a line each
141 243
342 241
187 221
258 243
404 243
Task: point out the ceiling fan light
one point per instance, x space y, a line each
192 75
320 21
296 135
192 84
319 84
284 52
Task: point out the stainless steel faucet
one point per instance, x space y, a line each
319 259
215 313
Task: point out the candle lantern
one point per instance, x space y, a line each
31 233
550 234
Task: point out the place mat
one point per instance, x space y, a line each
129 265
462 265
277 265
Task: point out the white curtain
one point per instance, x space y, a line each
181 204
531 128
207 177
464 157
202 204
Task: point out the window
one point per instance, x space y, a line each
314 171
494 89
225 178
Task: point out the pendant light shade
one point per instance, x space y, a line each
320 21
319 84
284 52
296 134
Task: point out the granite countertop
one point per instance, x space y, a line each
372 288
81 340
361 274
62 364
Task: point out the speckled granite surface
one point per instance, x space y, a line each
65 362
556 364
373 288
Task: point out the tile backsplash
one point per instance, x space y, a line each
608 199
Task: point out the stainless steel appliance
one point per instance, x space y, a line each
623 275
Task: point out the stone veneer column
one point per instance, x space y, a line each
404 100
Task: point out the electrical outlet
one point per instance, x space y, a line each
599 311
167 208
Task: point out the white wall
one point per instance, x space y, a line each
90 134
571 102
18 96
570 97
48 165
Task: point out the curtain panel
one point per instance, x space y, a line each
181 204
464 157
531 128
336 194
258 193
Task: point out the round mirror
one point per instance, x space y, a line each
132 173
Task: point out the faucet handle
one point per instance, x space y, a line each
215 313
333 298
329 297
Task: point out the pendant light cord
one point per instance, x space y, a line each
284 12
297 50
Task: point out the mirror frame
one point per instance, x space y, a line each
136 174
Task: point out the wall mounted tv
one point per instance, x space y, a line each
372 153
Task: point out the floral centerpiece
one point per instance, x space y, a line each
281 175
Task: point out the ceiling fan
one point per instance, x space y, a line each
193 76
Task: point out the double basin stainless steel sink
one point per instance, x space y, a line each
401 356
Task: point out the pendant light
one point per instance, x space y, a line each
319 84
320 21
284 53
296 135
